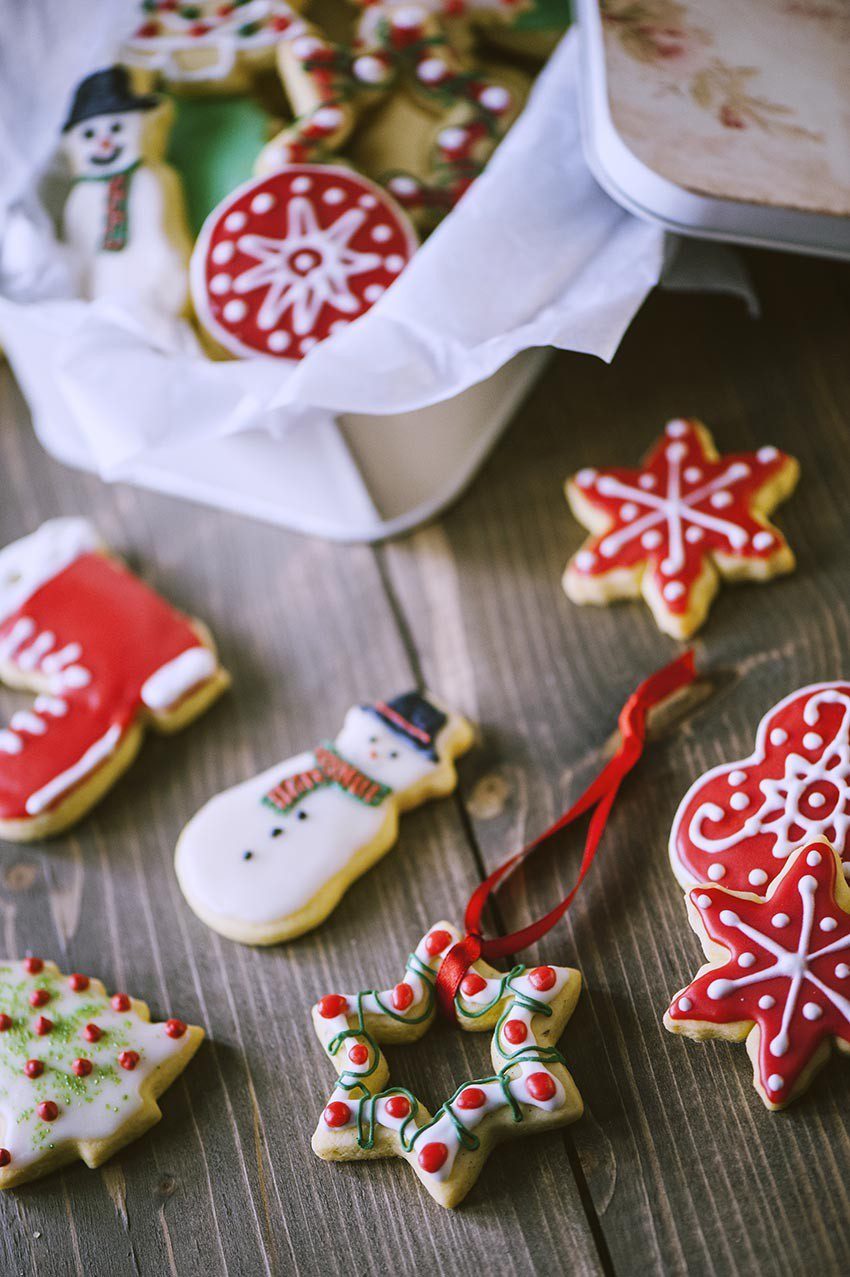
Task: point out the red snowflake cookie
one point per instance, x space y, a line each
290 258
671 529
739 822
778 971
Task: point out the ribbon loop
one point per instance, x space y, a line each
598 798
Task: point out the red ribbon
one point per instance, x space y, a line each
600 794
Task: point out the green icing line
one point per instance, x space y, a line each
213 145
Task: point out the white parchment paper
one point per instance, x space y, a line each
536 254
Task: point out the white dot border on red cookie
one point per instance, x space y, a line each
223 336
762 741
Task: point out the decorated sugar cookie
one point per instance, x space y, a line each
528 1090
778 971
739 822
80 1072
208 46
399 49
270 858
291 258
105 656
124 219
672 529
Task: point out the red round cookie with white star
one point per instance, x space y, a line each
739 822
777 975
673 528
288 259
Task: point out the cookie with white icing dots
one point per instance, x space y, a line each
778 971
271 857
208 46
105 655
289 259
529 1089
80 1072
739 822
672 529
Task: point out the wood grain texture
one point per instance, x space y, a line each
676 1167
686 1170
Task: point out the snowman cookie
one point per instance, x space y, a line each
670 530
270 858
528 1091
124 219
105 655
80 1072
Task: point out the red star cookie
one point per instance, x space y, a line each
670 530
778 973
739 822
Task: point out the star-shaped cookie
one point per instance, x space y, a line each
672 529
778 971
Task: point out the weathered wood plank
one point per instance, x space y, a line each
227 1182
685 1168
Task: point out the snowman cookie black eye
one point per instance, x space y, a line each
89 133
373 740
117 127
393 753
247 855
277 831
302 815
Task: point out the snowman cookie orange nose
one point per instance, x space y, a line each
338 806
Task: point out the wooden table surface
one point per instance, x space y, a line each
676 1165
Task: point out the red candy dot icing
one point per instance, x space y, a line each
398 1106
119 1002
287 259
92 1033
82 1067
471 1098
5 1022
39 997
433 1156
43 1026
47 1111
542 978
402 996
515 1031
437 941
33 1068
128 1060
540 1086
332 1005
359 1053
175 1028
5 1157
79 983
337 1113
33 965
472 983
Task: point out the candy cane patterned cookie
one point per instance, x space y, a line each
739 822
528 1091
106 657
207 45
270 858
778 972
670 530
287 260
80 1072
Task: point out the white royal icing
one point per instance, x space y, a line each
176 679
31 562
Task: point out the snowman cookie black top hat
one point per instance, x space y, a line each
414 717
107 92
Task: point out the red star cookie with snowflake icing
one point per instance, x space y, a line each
287 259
670 530
739 822
778 973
